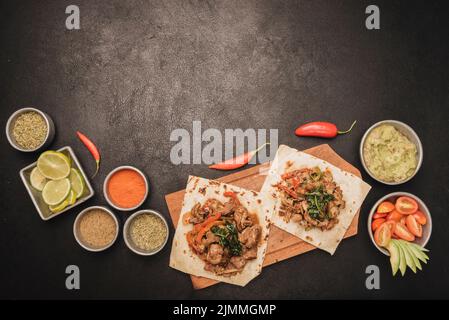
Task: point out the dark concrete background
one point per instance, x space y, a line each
139 69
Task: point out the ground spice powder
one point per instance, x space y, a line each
126 188
97 228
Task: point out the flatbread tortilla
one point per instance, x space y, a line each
199 190
354 192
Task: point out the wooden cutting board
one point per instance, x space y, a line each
281 245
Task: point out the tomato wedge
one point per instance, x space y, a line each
406 205
420 217
402 232
385 207
382 236
394 215
378 215
376 223
391 224
413 226
403 220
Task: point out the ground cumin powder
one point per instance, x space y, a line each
126 188
97 228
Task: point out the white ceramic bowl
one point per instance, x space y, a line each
48 138
79 238
427 228
36 196
405 130
128 239
105 188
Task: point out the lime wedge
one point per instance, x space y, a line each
54 165
59 207
72 197
77 182
56 191
37 180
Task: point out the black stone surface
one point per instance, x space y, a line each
136 70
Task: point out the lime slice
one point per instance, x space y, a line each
77 182
53 165
37 180
72 197
59 207
56 191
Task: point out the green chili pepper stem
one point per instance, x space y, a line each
98 168
349 130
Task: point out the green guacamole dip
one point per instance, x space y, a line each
389 155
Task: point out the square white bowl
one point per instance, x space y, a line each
41 207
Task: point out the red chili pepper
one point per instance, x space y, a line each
320 129
92 149
238 161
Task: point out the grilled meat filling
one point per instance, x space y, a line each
225 235
311 198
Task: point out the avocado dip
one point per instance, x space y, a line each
389 155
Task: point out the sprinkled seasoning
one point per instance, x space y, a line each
148 232
30 130
97 228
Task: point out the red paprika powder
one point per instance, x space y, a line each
126 188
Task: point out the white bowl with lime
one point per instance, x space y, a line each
56 182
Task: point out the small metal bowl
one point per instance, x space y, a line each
405 130
78 236
127 237
105 188
10 125
426 229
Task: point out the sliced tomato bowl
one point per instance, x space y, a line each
422 215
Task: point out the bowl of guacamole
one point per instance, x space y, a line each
391 152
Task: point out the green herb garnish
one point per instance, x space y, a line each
317 201
229 238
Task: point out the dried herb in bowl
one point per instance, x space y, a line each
29 130
148 232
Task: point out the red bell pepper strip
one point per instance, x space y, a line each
206 225
320 129
233 195
288 175
237 162
290 192
296 182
